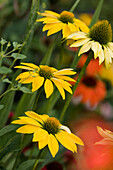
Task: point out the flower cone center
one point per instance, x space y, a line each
46 73
101 32
89 81
66 17
51 125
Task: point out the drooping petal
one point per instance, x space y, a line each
30 65
44 142
29 120
39 135
76 139
78 43
65 85
65 78
27 129
107 57
105 141
77 35
104 133
64 72
73 27
37 83
24 67
58 85
86 47
96 47
18 122
48 86
39 118
55 29
66 30
26 80
81 25
52 13
51 26
66 141
53 145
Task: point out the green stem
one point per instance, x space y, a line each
76 85
18 154
7 91
47 57
74 5
61 55
75 60
37 160
37 98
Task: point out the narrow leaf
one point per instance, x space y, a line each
5 70
97 13
25 89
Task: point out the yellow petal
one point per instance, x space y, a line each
39 135
26 80
65 78
52 13
48 86
30 65
73 27
44 142
24 67
37 83
27 129
81 25
76 139
65 85
66 30
64 72
36 116
66 141
59 87
77 35
29 120
18 122
55 29
52 26
53 145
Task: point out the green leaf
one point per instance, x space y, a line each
3 41
97 13
26 165
15 145
7 101
5 70
16 45
18 56
6 135
1 107
7 81
25 90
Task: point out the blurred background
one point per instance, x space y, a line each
92 103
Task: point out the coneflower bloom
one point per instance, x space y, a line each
46 75
91 91
98 39
47 131
64 21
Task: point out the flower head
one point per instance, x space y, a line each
91 91
46 75
98 39
47 131
64 21
107 135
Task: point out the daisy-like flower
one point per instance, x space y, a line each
90 91
98 39
64 21
107 135
46 75
47 131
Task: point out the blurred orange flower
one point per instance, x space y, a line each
91 90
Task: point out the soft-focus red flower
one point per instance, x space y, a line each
91 156
93 67
91 90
